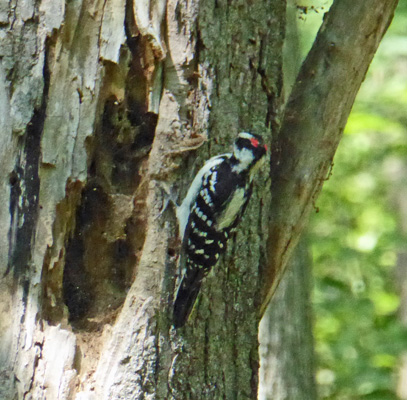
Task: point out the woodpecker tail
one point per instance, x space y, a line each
186 297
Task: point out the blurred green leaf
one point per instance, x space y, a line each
357 234
384 361
385 303
363 122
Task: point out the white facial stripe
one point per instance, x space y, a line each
246 135
245 157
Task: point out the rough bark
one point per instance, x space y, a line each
102 103
215 356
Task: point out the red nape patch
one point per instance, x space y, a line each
254 142
265 146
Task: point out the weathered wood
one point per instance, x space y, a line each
102 102
51 76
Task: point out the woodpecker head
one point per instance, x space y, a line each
248 151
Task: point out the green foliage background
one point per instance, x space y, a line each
359 231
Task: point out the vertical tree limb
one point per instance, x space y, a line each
315 118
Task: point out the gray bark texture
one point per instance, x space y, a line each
286 340
103 107
286 347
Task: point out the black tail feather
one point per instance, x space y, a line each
186 297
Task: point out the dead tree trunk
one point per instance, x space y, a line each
102 104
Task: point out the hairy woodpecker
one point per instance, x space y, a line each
213 206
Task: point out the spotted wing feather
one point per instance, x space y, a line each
207 232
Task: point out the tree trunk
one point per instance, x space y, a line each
102 102
285 333
286 340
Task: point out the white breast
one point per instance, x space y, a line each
232 210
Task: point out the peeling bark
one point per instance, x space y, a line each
102 104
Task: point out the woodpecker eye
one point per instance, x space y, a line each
254 142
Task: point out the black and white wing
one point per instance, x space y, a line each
217 206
